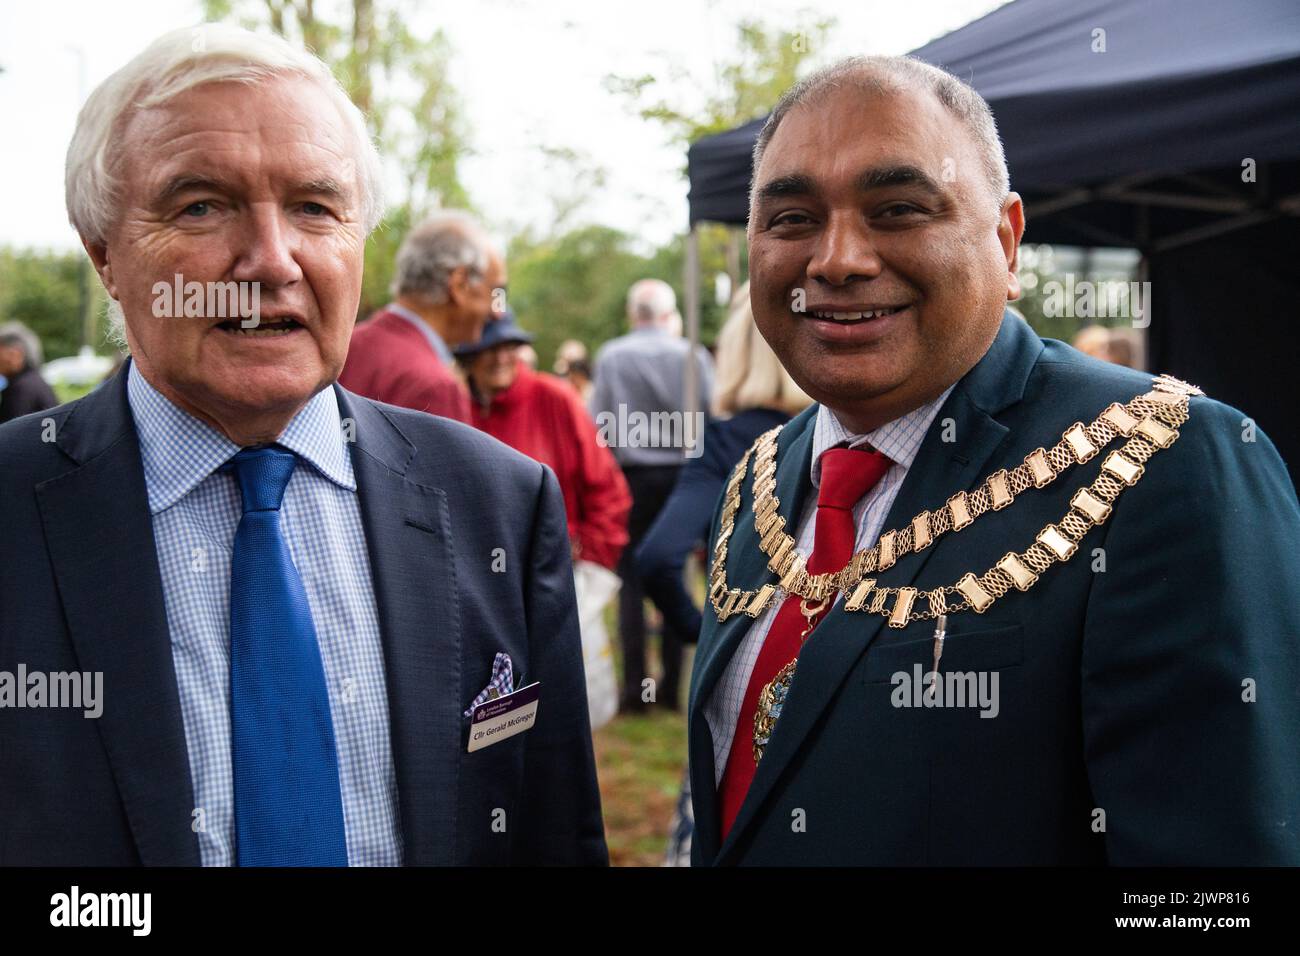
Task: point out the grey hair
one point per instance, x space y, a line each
15 333
174 63
437 247
877 75
651 301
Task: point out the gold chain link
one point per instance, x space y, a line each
1149 422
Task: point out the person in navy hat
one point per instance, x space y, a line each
541 416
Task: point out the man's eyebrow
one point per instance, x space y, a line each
323 187
188 182
796 184
879 177
884 176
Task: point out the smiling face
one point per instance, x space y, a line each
250 184
877 279
494 370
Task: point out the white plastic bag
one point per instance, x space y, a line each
596 587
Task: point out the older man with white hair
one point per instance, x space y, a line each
288 593
639 402
450 281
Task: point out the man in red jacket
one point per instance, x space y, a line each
448 285
544 418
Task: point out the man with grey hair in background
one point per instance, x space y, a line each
22 389
450 281
639 403
295 599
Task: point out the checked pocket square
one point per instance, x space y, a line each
502 682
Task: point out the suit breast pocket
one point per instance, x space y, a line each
990 649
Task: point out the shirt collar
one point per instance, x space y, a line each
900 439
434 339
179 451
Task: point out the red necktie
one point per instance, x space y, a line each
847 475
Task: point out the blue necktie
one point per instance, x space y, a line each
288 809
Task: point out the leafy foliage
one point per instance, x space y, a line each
41 289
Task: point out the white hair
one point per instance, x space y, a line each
651 301
437 247
176 62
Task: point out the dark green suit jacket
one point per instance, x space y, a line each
1147 713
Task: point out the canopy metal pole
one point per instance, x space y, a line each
1144 276
690 378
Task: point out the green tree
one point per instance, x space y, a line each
41 289
571 285
574 286
768 62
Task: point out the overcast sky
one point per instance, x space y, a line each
529 73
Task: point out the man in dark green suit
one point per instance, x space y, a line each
1118 671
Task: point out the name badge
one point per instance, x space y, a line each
495 720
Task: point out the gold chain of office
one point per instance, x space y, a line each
1150 422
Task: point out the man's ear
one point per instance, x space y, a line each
458 285
99 258
1011 226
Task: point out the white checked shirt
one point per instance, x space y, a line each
900 440
195 510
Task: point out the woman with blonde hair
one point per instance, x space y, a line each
748 376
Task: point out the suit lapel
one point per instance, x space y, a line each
747 565
940 470
100 540
747 568
408 538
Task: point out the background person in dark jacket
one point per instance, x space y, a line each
23 391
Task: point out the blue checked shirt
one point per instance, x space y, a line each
900 440
195 510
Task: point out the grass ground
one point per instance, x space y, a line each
640 759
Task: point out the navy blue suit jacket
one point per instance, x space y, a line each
81 590
1121 691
